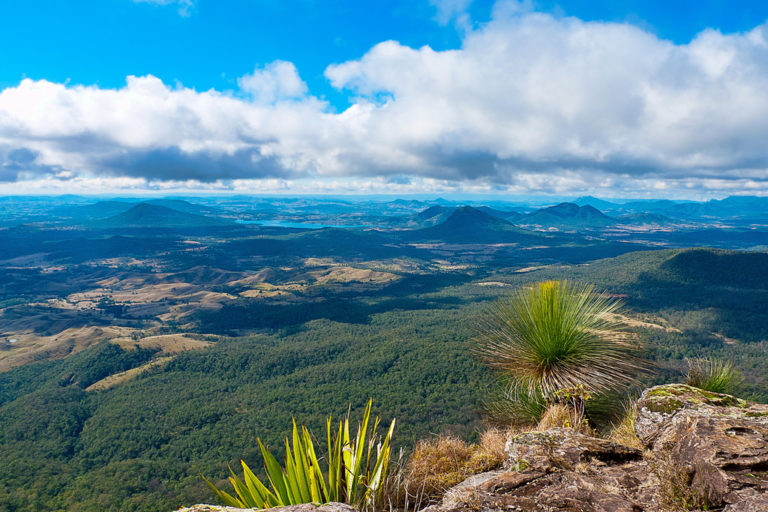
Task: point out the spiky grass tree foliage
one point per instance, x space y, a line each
503 408
713 375
559 335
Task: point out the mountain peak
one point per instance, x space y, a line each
469 216
569 215
148 215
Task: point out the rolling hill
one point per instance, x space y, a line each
99 210
183 206
597 203
145 215
644 219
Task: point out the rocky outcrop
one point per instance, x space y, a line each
703 451
560 469
718 441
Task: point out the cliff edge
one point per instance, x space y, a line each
695 451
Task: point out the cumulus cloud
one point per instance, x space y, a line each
529 102
277 81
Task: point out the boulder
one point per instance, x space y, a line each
719 441
757 503
564 447
559 470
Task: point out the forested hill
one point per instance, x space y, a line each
140 445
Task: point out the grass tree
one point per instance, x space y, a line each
712 374
561 341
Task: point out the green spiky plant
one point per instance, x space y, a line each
354 474
713 375
559 335
518 408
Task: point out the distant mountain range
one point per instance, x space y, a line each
583 214
468 222
731 208
106 209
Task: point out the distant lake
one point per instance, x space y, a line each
300 225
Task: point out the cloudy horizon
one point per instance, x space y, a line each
528 102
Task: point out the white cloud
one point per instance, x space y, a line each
529 102
276 81
185 6
450 10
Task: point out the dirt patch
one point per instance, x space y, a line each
167 343
30 347
351 274
634 322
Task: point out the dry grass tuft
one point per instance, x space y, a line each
439 463
562 416
555 416
623 432
492 443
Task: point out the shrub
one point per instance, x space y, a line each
563 350
713 375
354 473
559 335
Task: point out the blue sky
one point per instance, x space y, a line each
209 43
325 66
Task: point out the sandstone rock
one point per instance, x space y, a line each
305 507
719 440
564 447
705 448
753 504
559 470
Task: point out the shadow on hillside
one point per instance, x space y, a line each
350 308
710 303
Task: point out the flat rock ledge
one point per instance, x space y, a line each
304 507
701 451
